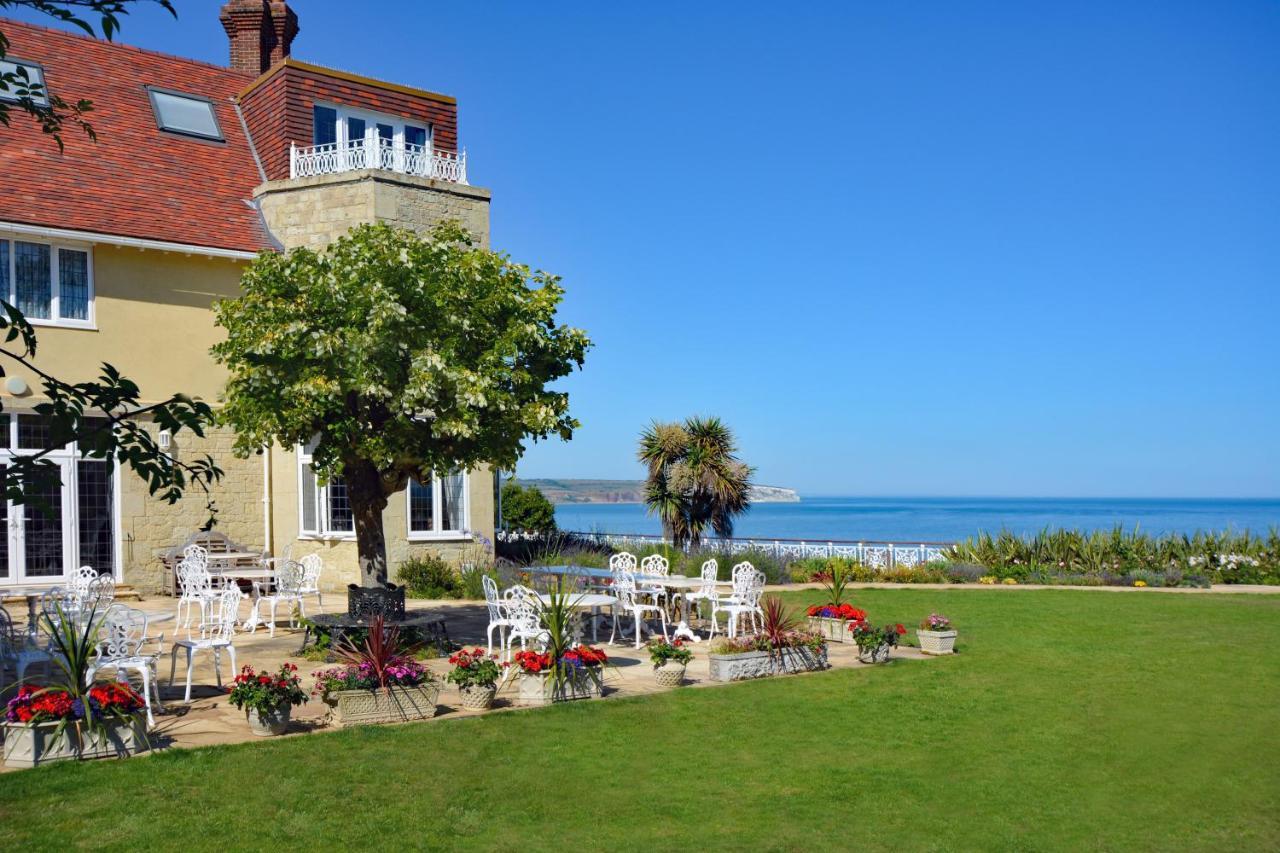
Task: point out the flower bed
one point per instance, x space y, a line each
936 635
406 691
577 675
832 621
52 724
757 657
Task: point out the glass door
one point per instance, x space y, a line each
66 521
41 547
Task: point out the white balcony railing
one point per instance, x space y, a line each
373 152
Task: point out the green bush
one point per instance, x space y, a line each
526 508
429 576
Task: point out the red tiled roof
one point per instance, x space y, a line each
136 180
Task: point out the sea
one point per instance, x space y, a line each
949 519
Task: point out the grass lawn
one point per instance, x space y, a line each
1070 720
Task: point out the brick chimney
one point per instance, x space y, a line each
260 31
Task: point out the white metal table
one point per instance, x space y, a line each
592 601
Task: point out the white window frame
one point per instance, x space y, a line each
322 508
371 119
55 261
438 534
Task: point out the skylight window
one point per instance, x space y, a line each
186 114
22 80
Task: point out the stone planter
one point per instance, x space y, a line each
670 674
833 630
541 689
29 745
268 723
937 642
739 667
389 705
478 697
875 654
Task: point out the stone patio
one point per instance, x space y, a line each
210 719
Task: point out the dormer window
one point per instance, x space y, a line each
22 80
189 115
345 127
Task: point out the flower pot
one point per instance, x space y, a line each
385 705
268 723
478 697
874 654
833 630
669 674
540 688
744 665
27 744
937 642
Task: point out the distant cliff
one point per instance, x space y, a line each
632 491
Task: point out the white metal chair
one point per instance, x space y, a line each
287 589
523 610
748 586
81 578
11 645
708 591
654 565
312 568
624 589
215 634
122 637
497 613
195 588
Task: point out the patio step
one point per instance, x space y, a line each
124 592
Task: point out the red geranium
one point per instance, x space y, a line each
533 662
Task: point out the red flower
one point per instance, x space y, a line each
898 628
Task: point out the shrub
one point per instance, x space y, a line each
526 508
429 576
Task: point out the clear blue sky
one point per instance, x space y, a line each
902 248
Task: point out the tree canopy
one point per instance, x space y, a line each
400 356
526 508
695 479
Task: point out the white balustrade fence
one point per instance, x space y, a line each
880 555
373 152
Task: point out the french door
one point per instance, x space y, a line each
61 525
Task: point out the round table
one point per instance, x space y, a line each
592 601
432 626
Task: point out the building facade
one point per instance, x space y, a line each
116 250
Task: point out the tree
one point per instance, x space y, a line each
31 96
695 480
399 356
526 508
102 418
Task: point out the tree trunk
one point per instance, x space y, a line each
368 500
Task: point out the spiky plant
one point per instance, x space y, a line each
695 479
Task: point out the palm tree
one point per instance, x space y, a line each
695 479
